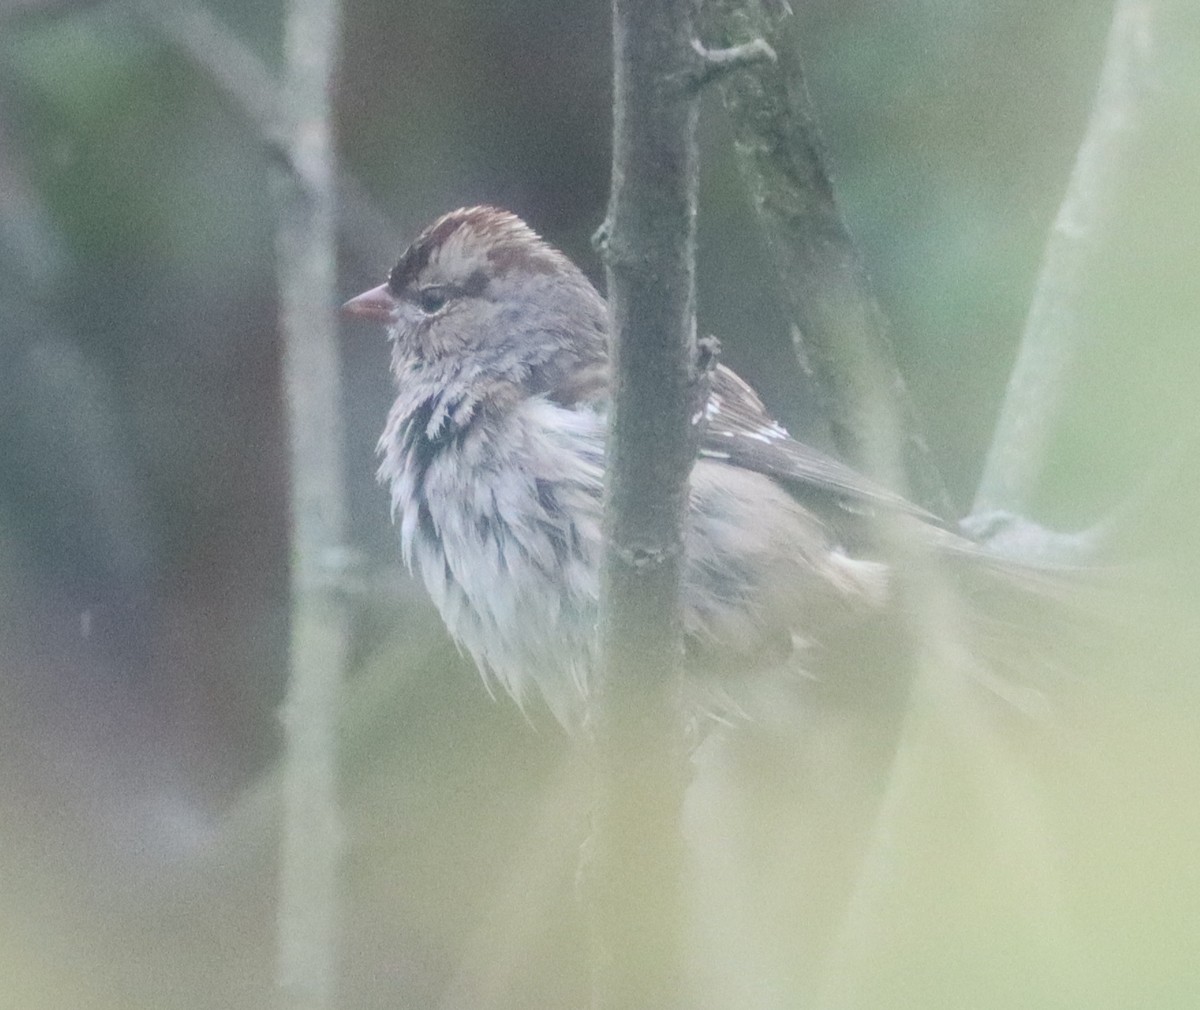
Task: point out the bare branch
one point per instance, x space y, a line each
637 724
231 64
1056 329
839 331
308 910
245 79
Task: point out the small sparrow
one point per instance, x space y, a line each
494 453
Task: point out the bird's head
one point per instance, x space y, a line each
480 297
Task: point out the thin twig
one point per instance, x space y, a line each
227 61
306 257
245 79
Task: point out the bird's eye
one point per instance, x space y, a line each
432 299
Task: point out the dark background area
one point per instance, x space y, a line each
143 509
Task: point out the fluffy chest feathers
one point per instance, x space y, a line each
500 517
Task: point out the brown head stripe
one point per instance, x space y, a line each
515 244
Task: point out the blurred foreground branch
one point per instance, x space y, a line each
320 631
841 336
1056 328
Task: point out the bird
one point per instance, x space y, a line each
494 454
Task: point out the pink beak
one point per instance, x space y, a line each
377 305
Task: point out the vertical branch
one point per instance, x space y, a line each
308 916
840 332
637 722
1056 328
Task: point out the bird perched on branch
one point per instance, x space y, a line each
494 452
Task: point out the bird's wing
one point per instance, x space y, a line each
736 428
739 430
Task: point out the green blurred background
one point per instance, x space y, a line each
143 515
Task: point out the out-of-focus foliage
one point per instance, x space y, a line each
143 550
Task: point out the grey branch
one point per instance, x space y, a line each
840 332
231 64
321 617
245 79
1056 328
633 876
